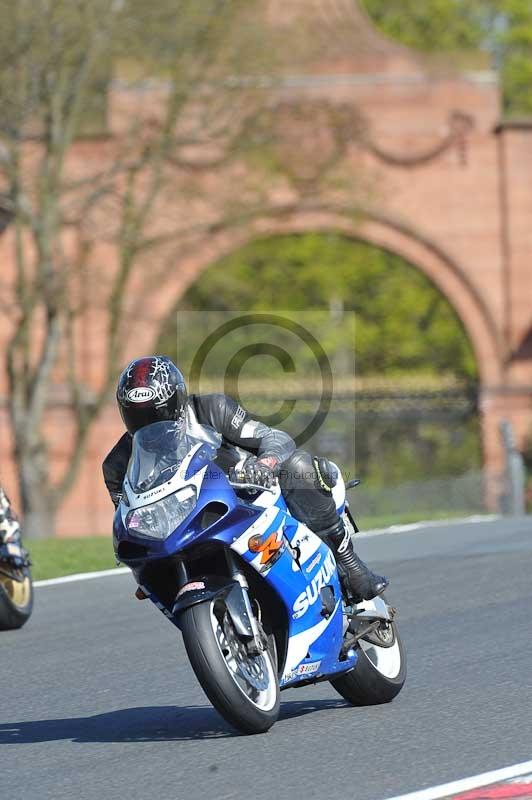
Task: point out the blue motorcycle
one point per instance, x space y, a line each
255 593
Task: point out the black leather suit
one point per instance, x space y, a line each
308 497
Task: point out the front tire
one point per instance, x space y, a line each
380 671
244 689
16 600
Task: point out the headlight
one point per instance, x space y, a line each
160 519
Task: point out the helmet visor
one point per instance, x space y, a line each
136 417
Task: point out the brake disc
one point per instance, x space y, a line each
383 636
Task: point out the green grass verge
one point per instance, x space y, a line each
52 558
386 520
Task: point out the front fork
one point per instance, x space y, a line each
236 573
257 643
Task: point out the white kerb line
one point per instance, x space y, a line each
463 785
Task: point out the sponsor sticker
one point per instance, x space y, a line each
306 545
303 669
141 394
313 563
308 669
190 587
153 493
13 550
270 547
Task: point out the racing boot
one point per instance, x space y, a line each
361 583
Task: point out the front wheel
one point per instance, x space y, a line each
16 598
380 671
243 688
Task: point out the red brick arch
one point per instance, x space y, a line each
415 248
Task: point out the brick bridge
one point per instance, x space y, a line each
374 142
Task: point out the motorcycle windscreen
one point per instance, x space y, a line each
159 450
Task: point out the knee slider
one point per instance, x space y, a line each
325 474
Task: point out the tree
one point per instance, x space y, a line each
435 25
513 49
502 28
57 59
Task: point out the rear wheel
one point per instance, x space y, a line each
380 672
242 687
16 598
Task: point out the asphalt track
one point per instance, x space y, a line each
98 700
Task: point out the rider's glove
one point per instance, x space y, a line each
260 471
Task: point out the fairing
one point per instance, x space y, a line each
296 564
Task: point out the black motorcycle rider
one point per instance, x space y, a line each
152 389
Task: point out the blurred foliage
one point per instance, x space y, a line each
515 53
503 28
402 321
210 39
55 54
434 25
391 451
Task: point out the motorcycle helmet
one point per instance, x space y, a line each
151 389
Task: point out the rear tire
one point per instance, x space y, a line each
212 647
379 674
16 601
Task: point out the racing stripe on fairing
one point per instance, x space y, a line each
299 645
266 499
